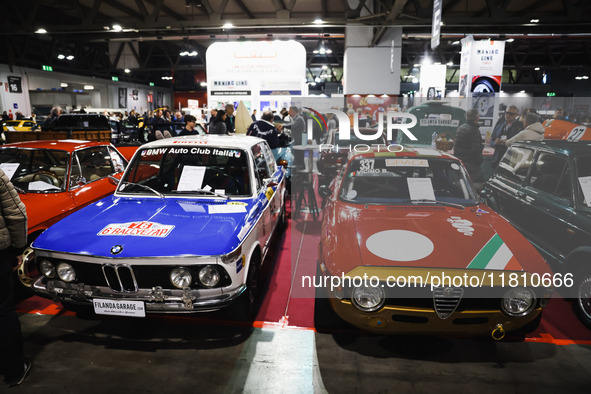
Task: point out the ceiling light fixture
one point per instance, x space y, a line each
117 28
537 68
534 20
70 57
127 71
88 87
449 64
64 85
227 25
61 56
318 21
510 40
41 31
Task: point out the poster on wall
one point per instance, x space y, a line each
14 84
369 107
481 68
122 97
134 95
258 71
159 99
432 81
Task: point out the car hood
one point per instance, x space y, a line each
430 237
153 227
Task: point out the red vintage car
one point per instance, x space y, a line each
557 129
55 178
407 247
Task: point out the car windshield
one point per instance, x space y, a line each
405 180
584 180
35 170
188 171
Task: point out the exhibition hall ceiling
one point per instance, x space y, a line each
551 34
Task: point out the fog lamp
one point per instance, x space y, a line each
66 272
518 301
209 276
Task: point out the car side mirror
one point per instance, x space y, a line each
270 182
324 191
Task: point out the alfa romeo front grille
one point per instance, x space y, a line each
446 300
120 278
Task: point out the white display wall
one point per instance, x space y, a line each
261 74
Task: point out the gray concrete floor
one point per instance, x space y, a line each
184 355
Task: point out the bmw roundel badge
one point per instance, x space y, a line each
116 249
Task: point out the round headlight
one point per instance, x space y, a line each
66 272
209 276
368 299
47 269
181 278
519 301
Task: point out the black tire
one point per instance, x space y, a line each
282 219
582 301
518 335
246 306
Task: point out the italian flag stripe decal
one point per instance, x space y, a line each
495 255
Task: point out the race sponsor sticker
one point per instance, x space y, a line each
119 307
407 163
244 231
269 193
462 225
227 209
137 229
237 203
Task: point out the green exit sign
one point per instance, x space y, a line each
151 83
550 94
47 68
115 78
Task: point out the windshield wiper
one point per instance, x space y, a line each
429 201
209 192
144 187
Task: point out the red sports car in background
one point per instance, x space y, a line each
56 178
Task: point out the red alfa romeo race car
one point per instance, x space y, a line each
407 247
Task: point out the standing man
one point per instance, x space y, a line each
189 129
504 130
266 130
298 128
468 145
254 115
13 240
230 118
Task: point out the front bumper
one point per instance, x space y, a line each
393 319
156 299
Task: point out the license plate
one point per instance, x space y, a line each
119 308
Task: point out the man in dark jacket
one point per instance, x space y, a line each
266 130
13 240
468 145
505 129
230 119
